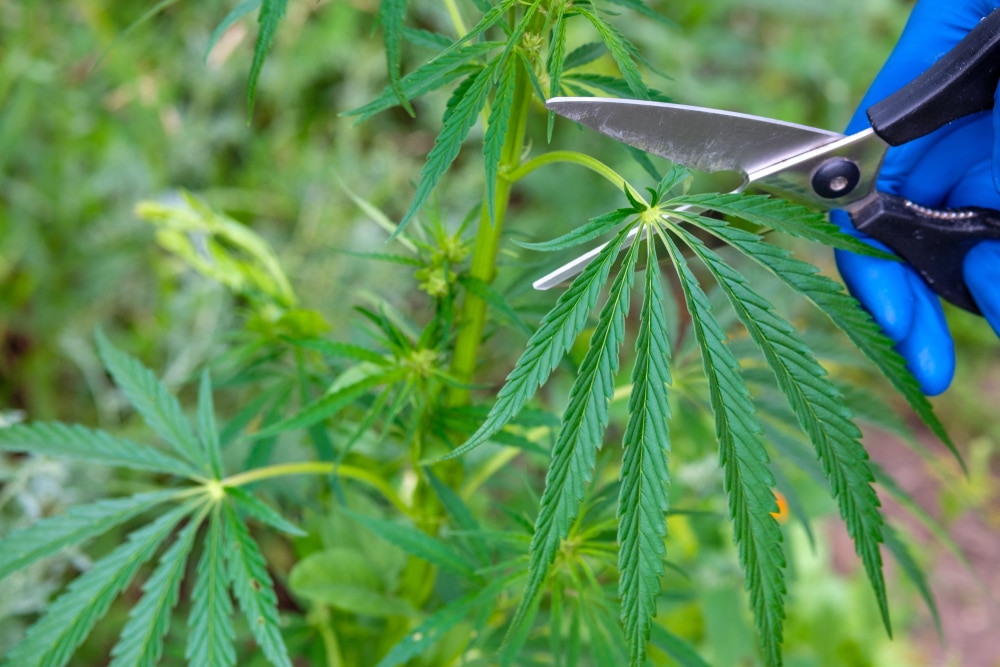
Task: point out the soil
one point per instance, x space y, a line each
968 597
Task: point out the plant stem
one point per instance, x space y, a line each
484 253
320 468
456 18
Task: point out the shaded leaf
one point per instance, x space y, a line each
46 537
271 13
254 590
392 13
261 511
416 543
157 406
206 425
239 11
69 619
83 444
210 627
141 641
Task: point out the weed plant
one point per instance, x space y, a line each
411 530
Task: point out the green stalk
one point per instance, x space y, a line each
484 253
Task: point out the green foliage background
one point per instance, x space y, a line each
96 116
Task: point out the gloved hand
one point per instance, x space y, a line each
956 166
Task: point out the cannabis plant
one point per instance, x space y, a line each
406 567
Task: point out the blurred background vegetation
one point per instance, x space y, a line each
96 115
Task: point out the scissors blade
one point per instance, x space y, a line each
703 139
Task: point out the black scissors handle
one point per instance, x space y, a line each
935 241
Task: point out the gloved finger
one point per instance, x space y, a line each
934 27
955 170
928 347
981 271
883 288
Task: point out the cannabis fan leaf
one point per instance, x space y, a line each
202 501
666 223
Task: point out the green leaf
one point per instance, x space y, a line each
238 12
819 408
843 310
336 349
676 648
83 444
747 479
641 7
416 543
594 228
643 499
141 641
157 406
606 84
345 579
439 71
460 513
271 13
901 552
331 403
580 436
67 621
783 216
495 299
426 38
262 511
622 50
392 13
253 588
428 633
496 131
584 55
457 122
207 427
556 60
47 536
553 338
210 628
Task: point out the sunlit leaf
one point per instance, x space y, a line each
747 479
643 499
546 348
580 436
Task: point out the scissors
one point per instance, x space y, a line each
825 170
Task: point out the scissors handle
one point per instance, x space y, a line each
961 83
933 241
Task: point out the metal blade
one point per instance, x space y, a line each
703 139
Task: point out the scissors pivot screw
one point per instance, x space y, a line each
836 177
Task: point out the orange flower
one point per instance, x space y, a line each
781 516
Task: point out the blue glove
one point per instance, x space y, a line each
955 166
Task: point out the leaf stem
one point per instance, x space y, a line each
319 468
581 159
